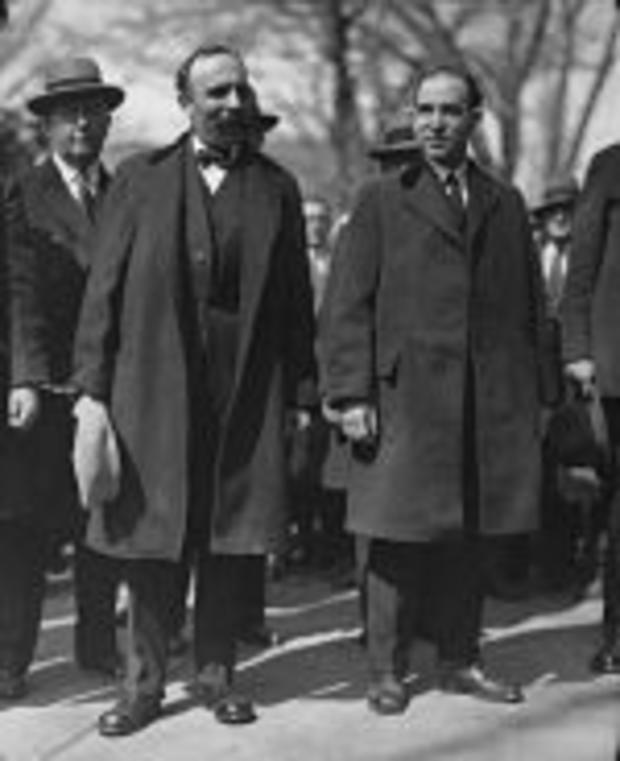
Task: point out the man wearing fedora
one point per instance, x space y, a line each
196 343
62 197
591 352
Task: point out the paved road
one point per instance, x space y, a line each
310 695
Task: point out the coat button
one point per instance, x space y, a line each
200 256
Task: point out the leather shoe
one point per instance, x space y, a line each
260 636
387 695
471 680
12 686
214 686
109 666
128 716
605 661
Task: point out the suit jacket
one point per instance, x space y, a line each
591 305
415 311
23 359
130 353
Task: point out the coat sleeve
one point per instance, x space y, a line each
97 336
347 327
299 327
588 243
27 347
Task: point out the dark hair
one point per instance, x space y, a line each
454 69
206 50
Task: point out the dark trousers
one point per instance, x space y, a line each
611 566
22 588
415 586
96 579
217 613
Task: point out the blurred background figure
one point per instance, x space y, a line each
571 507
397 146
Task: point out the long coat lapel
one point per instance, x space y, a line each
482 199
424 196
260 223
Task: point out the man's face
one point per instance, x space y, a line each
76 129
219 95
318 221
443 118
558 222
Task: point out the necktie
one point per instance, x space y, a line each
86 198
454 195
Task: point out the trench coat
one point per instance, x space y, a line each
23 355
590 308
416 310
130 354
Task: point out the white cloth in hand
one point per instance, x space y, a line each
96 455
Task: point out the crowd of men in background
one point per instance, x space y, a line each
167 420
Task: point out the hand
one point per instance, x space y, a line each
24 405
582 373
360 423
332 415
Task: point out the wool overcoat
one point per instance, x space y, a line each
591 305
60 233
23 356
418 309
130 354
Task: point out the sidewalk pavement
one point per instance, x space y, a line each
310 694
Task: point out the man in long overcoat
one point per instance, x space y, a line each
591 348
196 336
430 356
62 198
23 368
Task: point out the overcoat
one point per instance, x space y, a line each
130 354
23 356
60 233
591 307
417 308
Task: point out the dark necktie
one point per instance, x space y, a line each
452 188
86 198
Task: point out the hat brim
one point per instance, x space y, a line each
43 104
554 203
382 150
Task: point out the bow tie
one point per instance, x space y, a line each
222 157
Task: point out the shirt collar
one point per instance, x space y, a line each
72 176
442 173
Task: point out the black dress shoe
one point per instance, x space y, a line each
387 695
129 716
605 661
12 686
471 680
109 666
214 687
234 708
260 636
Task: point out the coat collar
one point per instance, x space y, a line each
424 195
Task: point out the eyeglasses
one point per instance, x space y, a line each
73 112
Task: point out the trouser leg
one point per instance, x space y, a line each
458 588
150 584
252 592
217 604
96 579
22 588
392 599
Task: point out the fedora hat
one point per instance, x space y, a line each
397 137
70 79
561 191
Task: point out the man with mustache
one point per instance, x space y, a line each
195 343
